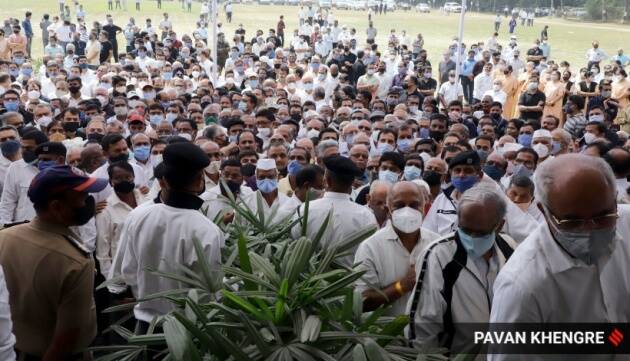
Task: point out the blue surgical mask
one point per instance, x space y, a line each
424 133
43 164
267 185
170 117
404 145
10 147
142 153
242 106
412 172
27 71
11 106
155 119
384 147
14 72
253 83
493 171
294 167
476 246
387 176
483 154
463 184
555 147
522 170
525 139
167 75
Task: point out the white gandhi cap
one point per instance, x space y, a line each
266 164
542 133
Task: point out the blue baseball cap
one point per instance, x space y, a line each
61 178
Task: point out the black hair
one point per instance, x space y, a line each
33 134
529 151
308 173
230 162
522 181
120 164
110 139
394 157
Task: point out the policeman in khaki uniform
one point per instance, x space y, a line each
49 273
455 275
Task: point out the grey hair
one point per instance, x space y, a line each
4 117
546 172
325 144
564 135
485 194
378 184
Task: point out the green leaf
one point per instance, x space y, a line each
281 302
358 354
250 277
244 305
211 275
245 263
262 265
178 340
298 257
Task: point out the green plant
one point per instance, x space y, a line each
275 299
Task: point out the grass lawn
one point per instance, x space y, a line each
569 40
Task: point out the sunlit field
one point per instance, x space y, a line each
569 39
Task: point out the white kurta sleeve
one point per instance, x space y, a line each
365 257
104 235
10 196
7 340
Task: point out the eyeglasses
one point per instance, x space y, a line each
607 220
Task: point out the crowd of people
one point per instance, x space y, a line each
497 196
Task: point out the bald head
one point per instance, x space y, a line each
405 193
619 161
437 165
575 186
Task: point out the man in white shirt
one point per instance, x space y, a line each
619 159
110 221
216 201
450 91
456 274
267 183
7 339
147 241
568 269
595 55
15 207
465 170
483 82
497 93
389 256
116 150
346 219
385 81
10 147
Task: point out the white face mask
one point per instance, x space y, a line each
541 149
407 219
264 132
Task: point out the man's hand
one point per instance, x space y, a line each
409 281
144 190
100 206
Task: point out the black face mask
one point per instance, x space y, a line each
248 170
119 158
124 187
29 156
74 89
71 127
234 187
436 135
82 215
95 137
297 117
432 178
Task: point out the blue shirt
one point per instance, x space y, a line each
623 59
467 67
28 30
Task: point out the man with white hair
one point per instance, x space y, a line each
389 255
456 274
568 270
267 183
561 142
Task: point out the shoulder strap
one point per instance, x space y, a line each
505 247
450 273
453 272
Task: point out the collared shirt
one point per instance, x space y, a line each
596 55
442 216
483 83
251 201
386 260
215 203
576 124
109 225
542 283
451 91
472 292
147 241
101 172
50 279
14 204
346 219
467 67
4 166
147 169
